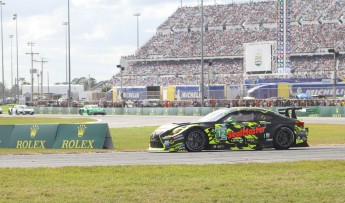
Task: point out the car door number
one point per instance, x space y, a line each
221 134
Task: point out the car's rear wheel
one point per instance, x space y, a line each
195 140
88 112
284 138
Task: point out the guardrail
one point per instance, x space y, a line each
309 111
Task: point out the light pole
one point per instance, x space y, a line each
2 56
66 23
335 54
202 55
11 37
137 15
17 89
121 94
69 59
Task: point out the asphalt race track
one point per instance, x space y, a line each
140 158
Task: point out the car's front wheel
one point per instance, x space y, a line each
195 140
284 138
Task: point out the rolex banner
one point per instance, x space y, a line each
38 136
83 136
58 136
5 135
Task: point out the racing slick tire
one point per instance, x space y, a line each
81 112
17 112
284 138
195 140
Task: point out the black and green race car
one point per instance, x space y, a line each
92 110
235 129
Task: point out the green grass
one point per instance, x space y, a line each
34 120
326 134
306 181
6 107
138 138
131 139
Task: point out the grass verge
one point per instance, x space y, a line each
138 138
35 120
305 181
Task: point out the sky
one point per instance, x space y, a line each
101 31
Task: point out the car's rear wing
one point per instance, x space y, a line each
286 111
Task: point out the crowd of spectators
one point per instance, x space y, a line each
180 48
231 103
311 10
216 15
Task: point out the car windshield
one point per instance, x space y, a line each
214 116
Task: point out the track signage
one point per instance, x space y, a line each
58 136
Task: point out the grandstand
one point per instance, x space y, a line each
172 55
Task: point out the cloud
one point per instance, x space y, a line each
98 32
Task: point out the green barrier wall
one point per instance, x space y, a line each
40 136
312 111
59 136
5 135
82 136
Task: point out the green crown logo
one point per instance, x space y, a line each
33 131
81 130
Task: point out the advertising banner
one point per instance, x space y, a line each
5 135
83 136
37 136
59 136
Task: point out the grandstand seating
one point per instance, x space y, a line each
172 56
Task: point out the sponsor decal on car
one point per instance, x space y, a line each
246 131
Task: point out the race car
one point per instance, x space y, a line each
241 128
92 110
21 109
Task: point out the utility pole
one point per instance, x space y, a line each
32 70
42 61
